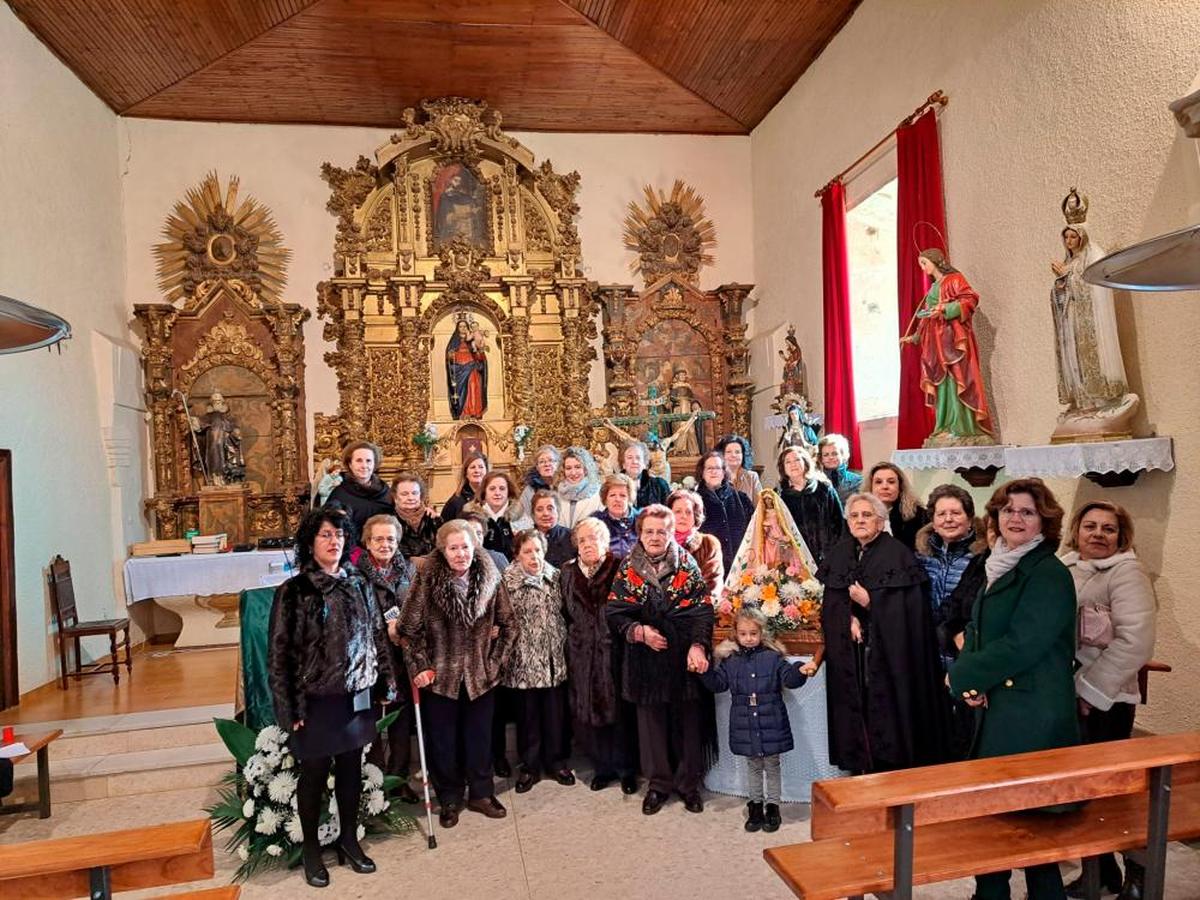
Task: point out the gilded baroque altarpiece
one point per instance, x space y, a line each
454 234
224 329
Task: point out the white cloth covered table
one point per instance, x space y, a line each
204 574
1073 460
992 455
807 762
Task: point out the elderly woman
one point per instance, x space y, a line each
887 705
361 493
811 500
705 549
578 487
390 575
536 672
945 548
662 610
327 652
906 515
474 467
546 462
460 629
544 508
1018 658
635 458
505 516
834 452
618 514
739 459
726 512
418 523
605 723
1116 638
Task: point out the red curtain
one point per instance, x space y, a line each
919 206
840 416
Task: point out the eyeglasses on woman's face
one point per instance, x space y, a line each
1018 512
332 535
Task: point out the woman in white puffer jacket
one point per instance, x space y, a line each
1115 639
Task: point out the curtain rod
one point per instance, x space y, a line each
936 99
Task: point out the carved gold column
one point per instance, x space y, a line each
519 353
619 347
737 355
578 311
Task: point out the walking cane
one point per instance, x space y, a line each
416 692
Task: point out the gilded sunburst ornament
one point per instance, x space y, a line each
670 235
211 237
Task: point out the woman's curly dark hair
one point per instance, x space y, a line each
310 526
747 451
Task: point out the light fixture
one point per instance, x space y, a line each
25 327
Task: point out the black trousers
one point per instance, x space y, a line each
392 752
459 728
613 749
505 712
541 728
671 746
1098 726
1043 882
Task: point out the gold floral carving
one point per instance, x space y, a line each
212 238
537 232
671 235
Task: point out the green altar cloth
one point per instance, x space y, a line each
255 605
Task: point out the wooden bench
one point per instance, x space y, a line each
39 748
881 834
98 865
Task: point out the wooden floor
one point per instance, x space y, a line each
162 679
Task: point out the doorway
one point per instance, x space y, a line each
9 688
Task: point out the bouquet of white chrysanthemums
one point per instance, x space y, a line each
260 800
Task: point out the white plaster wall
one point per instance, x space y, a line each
61 249
1045 94
280 166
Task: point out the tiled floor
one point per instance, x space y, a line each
557 843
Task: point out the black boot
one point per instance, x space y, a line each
347 787
754 816
773 819
315 872
1134 887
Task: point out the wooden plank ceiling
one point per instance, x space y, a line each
689 66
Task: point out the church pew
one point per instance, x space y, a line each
98 865
885 833
226 892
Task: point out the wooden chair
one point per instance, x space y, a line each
884 833
62 593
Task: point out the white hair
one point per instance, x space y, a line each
871 500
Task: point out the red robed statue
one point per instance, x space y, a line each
466 369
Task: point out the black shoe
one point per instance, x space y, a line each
1134 887
502 768
525 781
693 803
352 852
654 802
754 816
448 817
488 806
564 776
629 785
772 819
600 782
405 793
315 872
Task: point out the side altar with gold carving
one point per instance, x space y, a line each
223 364
456 308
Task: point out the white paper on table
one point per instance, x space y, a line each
8 751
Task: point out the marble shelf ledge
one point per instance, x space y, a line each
1108 463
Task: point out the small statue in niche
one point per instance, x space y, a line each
467 369
219 442
1091 373
951 378
800 428
793 381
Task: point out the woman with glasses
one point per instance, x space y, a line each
327 653
1017 661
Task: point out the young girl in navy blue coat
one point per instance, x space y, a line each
755 671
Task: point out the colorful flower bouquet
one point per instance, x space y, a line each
259 800
787 596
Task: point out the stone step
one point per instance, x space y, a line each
126 773
133 732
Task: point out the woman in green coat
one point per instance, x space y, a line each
1016 663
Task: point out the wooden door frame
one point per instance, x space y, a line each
10 694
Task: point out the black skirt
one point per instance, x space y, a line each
331 727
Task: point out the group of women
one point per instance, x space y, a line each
584 606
